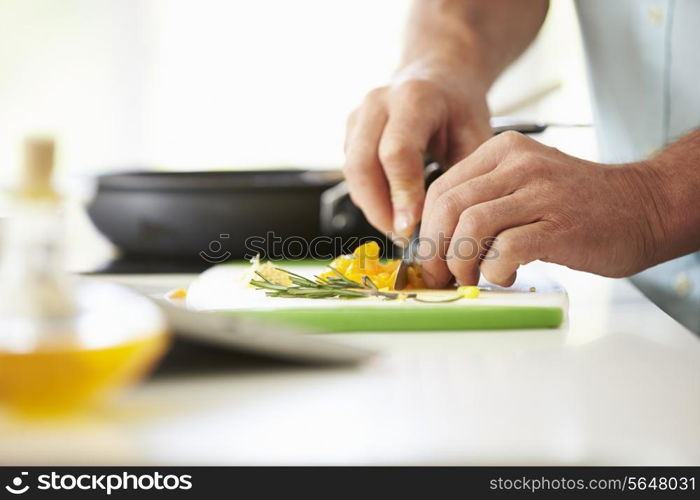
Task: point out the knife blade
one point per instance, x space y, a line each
432 171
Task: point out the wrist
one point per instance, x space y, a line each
677 184
450 73
648 185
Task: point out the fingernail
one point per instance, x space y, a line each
403 221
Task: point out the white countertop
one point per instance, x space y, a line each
618 384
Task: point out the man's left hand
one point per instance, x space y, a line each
515 200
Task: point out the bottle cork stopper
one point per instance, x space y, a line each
38 169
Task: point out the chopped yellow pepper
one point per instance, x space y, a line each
365 261
177 293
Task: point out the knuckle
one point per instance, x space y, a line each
507 246
510 139
471 222
526 162
539 161
375 96
394 153
448 203
529 159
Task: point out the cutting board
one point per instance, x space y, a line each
221 289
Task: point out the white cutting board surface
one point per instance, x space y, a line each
221 288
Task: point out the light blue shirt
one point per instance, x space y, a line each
644 66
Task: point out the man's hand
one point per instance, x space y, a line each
515 200
436 104
389 135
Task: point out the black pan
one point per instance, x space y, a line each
210 215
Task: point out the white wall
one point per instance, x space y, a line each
223 83
69 67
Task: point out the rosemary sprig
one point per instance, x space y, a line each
321 288
338 286
306 288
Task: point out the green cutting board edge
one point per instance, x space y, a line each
374 319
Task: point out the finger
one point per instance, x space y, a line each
368 186
477 227
485 158
441 215
515 247
401 152
350 128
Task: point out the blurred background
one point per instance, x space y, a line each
208 84
182 85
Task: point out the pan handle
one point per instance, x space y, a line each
340 216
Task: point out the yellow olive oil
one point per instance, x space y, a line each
51 381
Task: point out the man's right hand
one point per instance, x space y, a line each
389 135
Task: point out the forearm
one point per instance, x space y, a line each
674 200
474 37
